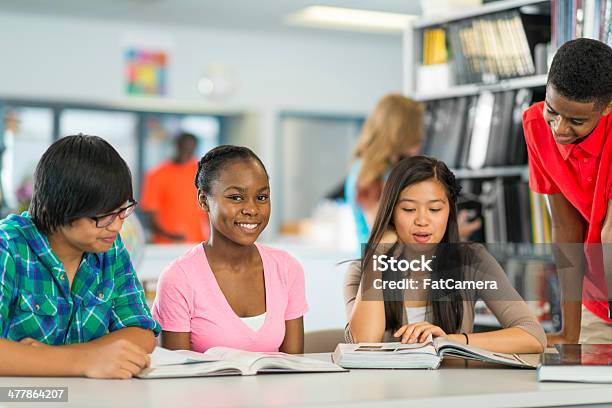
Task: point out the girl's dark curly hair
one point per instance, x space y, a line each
216 159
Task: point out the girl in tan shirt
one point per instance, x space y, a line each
418 217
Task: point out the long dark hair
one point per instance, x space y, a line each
447 308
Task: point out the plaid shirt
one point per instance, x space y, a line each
36 299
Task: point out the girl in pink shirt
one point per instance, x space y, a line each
230 291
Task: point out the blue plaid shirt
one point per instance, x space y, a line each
36 299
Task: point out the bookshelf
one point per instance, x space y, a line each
581 18
532 81
466 166
488 8
413 47
474 99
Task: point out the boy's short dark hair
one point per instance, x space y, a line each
582 71
78 176
184 136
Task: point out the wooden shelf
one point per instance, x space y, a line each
474 89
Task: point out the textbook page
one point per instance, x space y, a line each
272 362
163 357
452 348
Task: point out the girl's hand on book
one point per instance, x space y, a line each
418 332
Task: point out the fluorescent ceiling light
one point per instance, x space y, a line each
350 19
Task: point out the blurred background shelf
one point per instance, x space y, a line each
489 8
474 89
493 172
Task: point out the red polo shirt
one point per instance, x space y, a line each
583 174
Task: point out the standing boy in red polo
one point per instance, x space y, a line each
569 141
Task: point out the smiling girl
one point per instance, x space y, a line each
231 291
418 216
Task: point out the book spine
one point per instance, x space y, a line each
579 18
525 51
607 36
553 23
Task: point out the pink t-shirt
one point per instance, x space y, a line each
189 299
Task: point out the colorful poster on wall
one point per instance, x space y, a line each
146 72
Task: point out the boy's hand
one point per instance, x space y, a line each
467 228
120 359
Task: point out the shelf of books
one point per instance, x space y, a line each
483 47
581 18
476 72
474 89
480 131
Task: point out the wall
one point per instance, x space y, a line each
78 59
82 60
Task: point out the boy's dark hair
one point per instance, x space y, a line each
78 176
216 159
184 136
582 71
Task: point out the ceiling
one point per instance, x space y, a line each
260 15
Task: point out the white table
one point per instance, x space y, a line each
456 384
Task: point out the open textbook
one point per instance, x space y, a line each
219 361
421 355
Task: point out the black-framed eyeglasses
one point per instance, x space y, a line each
103 221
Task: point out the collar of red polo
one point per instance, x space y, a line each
590 145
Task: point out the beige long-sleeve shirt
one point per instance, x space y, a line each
505 302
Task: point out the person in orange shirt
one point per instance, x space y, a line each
170 198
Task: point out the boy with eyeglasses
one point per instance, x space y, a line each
70 301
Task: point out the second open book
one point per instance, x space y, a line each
226 361
421 355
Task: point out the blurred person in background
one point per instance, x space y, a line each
392 132
171 200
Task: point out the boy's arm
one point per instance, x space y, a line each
108 359
606 242
119 359
131 318
568 229
20 359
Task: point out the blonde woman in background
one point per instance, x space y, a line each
393 131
